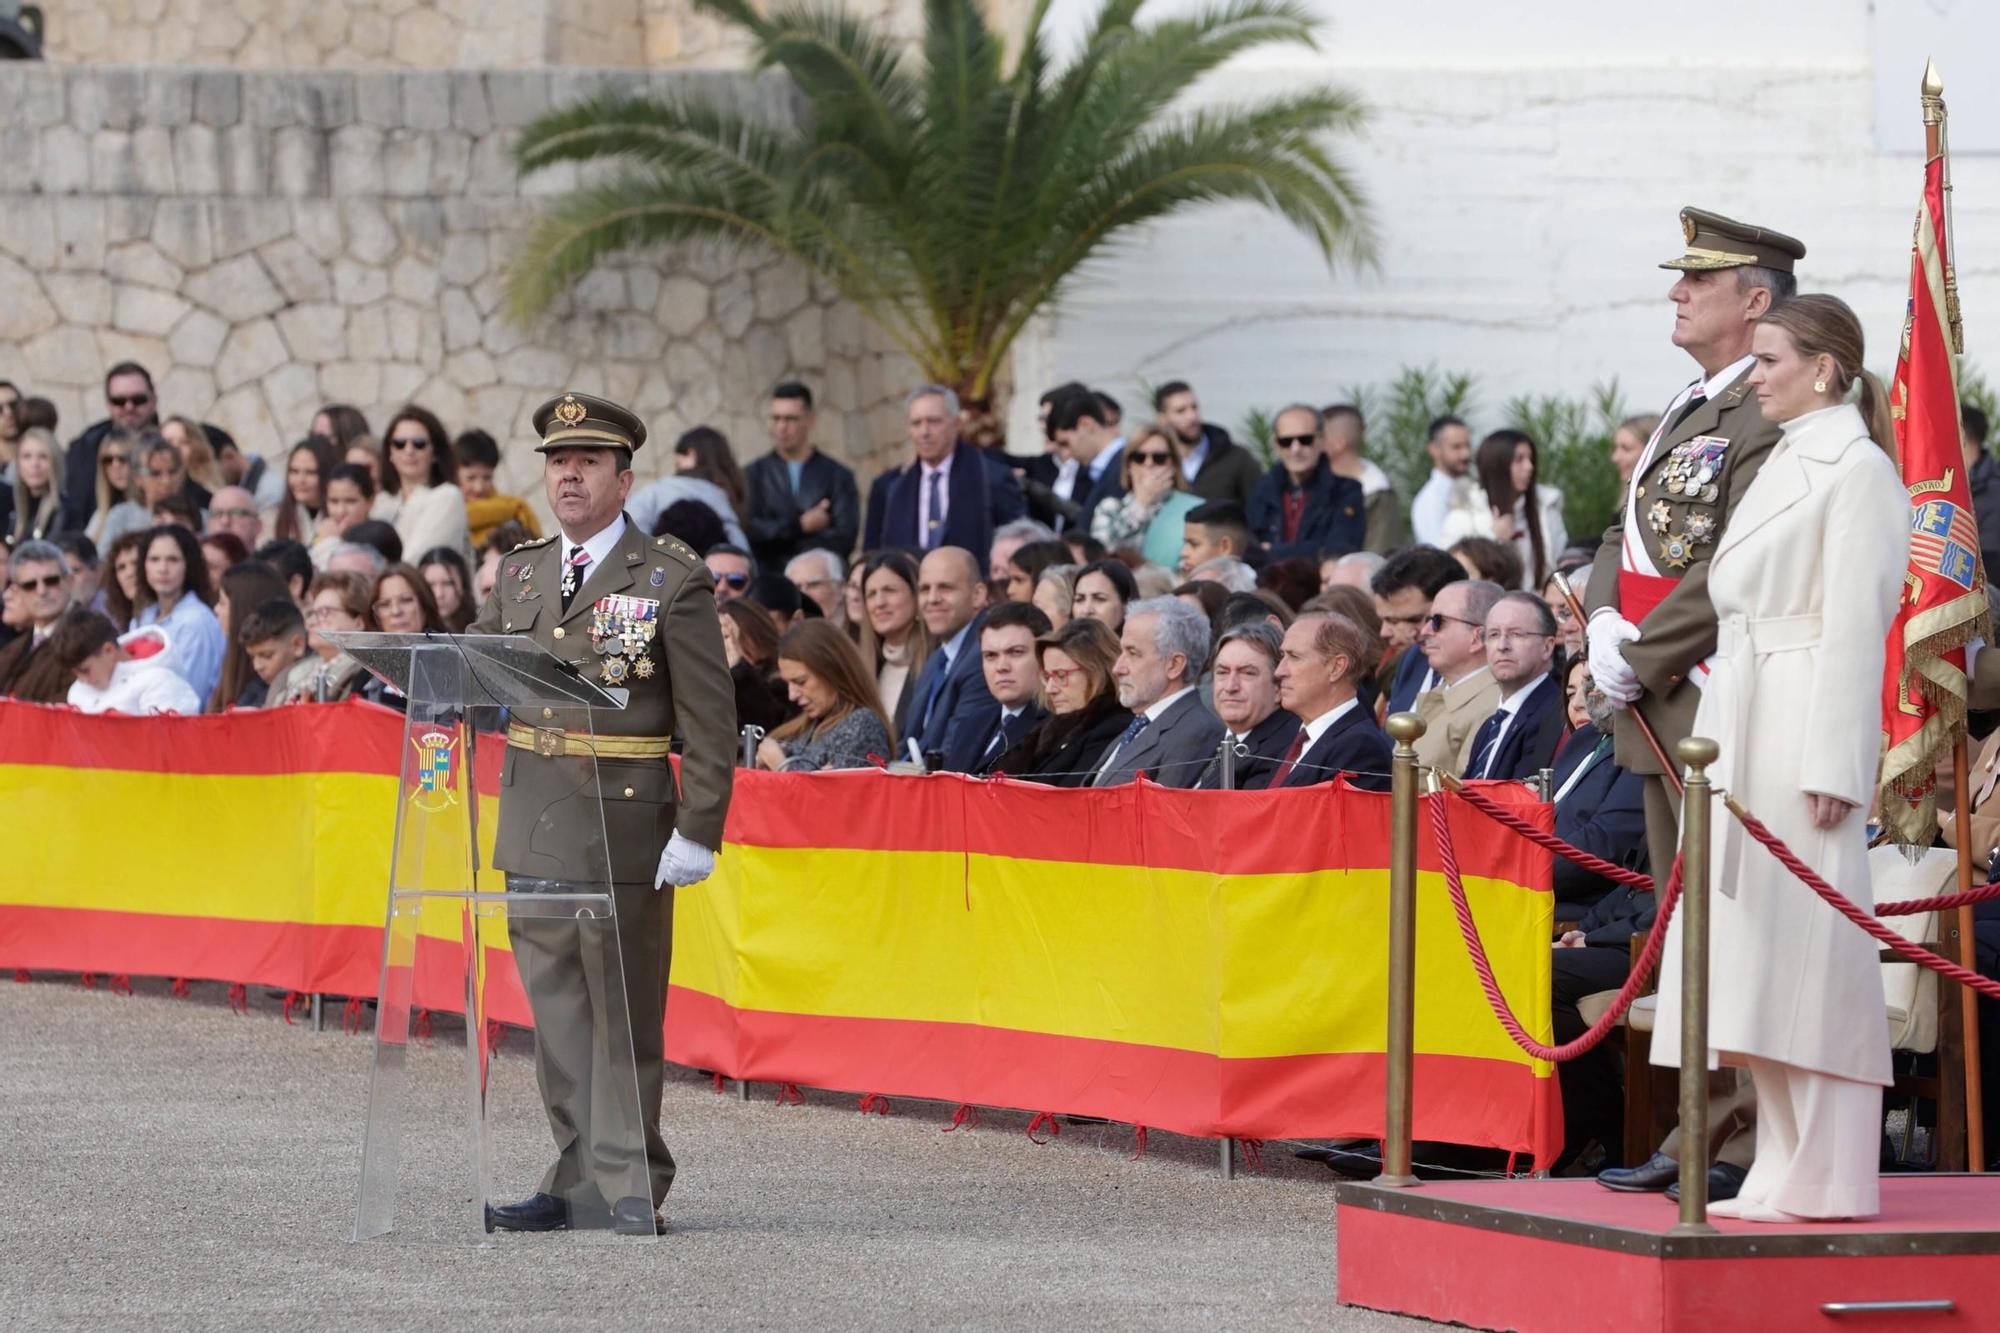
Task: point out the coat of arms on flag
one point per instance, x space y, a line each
1944 539
432 786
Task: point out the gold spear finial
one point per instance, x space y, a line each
1933 85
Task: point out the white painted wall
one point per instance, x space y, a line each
1525 165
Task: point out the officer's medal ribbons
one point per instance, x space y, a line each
620 630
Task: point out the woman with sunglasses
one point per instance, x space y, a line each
176 595
118 513
1155 504
1302 507
420 485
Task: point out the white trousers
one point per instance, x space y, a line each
1819 1143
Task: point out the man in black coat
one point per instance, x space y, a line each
1246 699
1302 507
1323 658
1012 667
1216 467
951 494
128 389
800 500
1519 739
950 707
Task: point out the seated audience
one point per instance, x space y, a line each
1517 741
1356 569
176 512
163 478
894 641
357 558
39 580
1227 570
1359 607
1212 531
1085 716
419 492
293 564
402 603
734 571
1055 593
1161 653
840 722
1008 656
951 706
1246 700
80 559
1151 513
486 508
1301 506
350 492
344 425
704 468
1600 807
821 577
1022 570
750 650
693 524
336 602
1569 630
1453 640
1511 505
197 451
1320 665
1253 608
450 582
121 589
221 551
855 601
242 588
41 511
1484 558
1293 578
1008 538
1403 590
1103 588
175 593
118 510
1085 549
308 469
274 638
104 673
1206 596
234 511
385 540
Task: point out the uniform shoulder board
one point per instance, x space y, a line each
675 546
529 546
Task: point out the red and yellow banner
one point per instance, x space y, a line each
1205 963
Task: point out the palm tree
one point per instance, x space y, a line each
953 201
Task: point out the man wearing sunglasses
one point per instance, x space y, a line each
128 391
39 577
1302 506
1453 640
733 569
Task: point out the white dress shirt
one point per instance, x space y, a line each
597 547
1429 510
1322 724
1509 709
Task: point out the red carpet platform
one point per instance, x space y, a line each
1568 1256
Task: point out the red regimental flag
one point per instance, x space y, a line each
1944 591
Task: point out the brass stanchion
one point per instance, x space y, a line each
1400 1048
1697 753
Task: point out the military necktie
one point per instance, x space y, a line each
575 570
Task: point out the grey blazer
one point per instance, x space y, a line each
1171 751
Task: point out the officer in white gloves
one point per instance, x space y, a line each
587 802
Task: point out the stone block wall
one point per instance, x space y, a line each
268 242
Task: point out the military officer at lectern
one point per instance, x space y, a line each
636 613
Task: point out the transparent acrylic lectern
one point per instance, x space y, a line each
438 1139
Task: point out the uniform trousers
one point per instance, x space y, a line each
598 991
1732 1100
1819 1141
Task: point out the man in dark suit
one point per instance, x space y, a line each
951 494
1215 466
951 709
1600 809
800 500
1012 667
1171 736
29 668
1301 506
1403 590
1246 699
128 391
1519 738
1079 422
1323 657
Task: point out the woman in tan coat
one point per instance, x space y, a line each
1804 581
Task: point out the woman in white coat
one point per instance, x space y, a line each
1511 505
1804 581
420 492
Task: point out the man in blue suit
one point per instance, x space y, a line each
1323 657
951 494
951 709
1519 739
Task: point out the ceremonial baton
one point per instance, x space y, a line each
1645 728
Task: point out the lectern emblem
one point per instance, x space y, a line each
436 756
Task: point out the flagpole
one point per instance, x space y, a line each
1968 1002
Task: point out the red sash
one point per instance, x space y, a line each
1639 593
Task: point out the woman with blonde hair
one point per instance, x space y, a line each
840 722
118 511
197 455
1629 441
40 511
1152 512
1804 580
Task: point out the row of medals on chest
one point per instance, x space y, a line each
1689 473
620 627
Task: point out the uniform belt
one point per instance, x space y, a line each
550 741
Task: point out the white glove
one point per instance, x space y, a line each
1608 632
684 862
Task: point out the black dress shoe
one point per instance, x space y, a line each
637 1217
1724 1182
538 1212
1649 1177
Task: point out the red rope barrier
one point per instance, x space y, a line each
1044 1120
121 983
1943 902
22 976
1596 865
354 1015
239 998
292 1000
179 987
965 1117
1139 1149
1806 875
1656 940
1253 1154
789 1095
876 1102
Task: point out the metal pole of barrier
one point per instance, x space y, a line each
318 1012
1545 784
1697 753
751 737
1228 1147
1226 751
742 1089
1400 1048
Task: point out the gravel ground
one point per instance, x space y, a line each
170 1164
